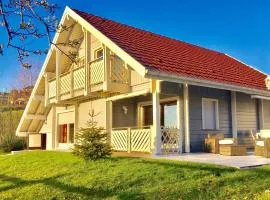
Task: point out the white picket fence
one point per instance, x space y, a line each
131 139
140 140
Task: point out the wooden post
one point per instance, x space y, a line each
109 120
180 118
156 116
234 114
54 127
46 102
76 124
57 74
261 114
87 58
72 81
107 68
186 118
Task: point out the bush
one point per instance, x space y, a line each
92 142
10 142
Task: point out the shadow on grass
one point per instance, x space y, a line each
68 188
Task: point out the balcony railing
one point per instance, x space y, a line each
98 72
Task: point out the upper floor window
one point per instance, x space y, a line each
99 53
210 114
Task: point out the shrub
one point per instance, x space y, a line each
92 142
10 142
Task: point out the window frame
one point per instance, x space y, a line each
96 53
216 113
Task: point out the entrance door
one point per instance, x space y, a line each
43 141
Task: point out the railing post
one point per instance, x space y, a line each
72 81
107 68
46 90
57 73
87 50
129 140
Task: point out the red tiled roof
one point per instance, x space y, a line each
168 55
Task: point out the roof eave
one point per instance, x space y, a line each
204 83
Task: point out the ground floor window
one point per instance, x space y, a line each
66 133
210 114
168 114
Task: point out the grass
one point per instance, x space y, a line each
55 175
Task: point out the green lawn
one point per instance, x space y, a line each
55 175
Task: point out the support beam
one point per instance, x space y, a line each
186 118
261 114
57 73
39 98
87 60
107 67
180 123
234 113
35 117
46 102
54 127
109 119
72 81
76 124
156 116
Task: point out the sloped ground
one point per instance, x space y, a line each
59 175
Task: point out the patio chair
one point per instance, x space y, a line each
262 147
212 142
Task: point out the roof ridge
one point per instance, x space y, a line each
150 32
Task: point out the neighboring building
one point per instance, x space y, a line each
152 93
20 97
4 98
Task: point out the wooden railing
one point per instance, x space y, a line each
79 78
171 141
65 83
52 88
118 71
97 71
131 139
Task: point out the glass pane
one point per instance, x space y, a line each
148 115
210 115
63 134
71 133
170 114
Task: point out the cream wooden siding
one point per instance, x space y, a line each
34 140
66 118
99 107
137 82
95 44
246 111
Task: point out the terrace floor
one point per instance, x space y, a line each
241 162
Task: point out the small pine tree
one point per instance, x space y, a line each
92 142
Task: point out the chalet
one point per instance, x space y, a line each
152 93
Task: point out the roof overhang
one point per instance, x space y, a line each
204 83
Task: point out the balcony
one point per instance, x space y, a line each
98 76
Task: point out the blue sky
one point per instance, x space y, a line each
238 28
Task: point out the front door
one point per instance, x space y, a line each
43 141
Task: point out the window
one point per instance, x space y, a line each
210 114
99 53
71 133
63 133
168 114
66 133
